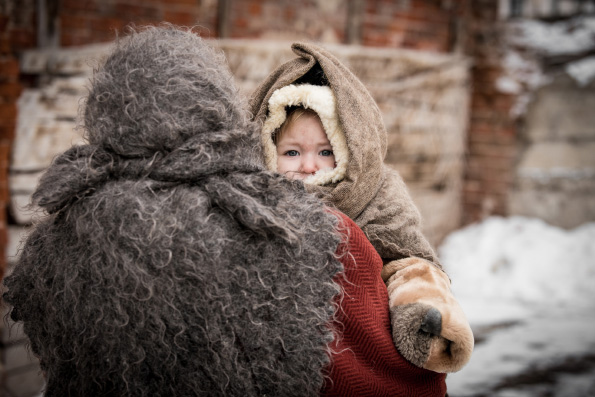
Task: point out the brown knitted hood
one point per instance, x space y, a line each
366 136
371 193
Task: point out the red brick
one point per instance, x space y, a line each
2 262
490 117
505 102
76 22
4 195
498 136
289 14
4 164
3 215
497 188
486 74
480 100
499 180
8 111
3 22
5 47
108 24
79 37
80 5
180 18
472 186
194 3
240 23
9 67
490 150
3 238
493 100
429 17
137 12
7 131
255 9
3 242
424 45
10 91
22 39
5 147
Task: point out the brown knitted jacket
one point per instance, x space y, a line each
371 193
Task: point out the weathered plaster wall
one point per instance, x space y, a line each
555 176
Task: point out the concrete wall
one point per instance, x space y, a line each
555 176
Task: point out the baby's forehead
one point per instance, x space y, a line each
301 126
297 114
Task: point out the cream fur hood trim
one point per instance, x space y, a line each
321 100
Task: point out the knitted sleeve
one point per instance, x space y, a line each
364 360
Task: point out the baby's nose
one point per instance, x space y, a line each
309 165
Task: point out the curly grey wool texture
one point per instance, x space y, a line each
169 262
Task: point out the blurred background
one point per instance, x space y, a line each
489 107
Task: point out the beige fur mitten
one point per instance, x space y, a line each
429 326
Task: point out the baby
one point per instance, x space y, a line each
302 145
321 125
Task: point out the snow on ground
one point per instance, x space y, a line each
528 290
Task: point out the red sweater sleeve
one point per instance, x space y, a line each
364 360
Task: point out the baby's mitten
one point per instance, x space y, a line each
429 326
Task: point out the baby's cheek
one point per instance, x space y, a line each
330 162
285 163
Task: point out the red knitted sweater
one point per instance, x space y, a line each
365 361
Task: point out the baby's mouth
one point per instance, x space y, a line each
297 175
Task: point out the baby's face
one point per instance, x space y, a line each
303 148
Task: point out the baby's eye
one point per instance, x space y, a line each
326 153
292 153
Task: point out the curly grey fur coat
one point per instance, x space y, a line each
170 262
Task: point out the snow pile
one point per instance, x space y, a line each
529 41
523 72
572 36
523 75
521 260
582 71
527 290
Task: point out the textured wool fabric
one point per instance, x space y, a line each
366 362
371 193
169 262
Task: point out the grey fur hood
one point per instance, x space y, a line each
162 115
169 262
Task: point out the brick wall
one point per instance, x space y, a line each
423 25
288 19
95 21
16 33
435 25
492 136
415 24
